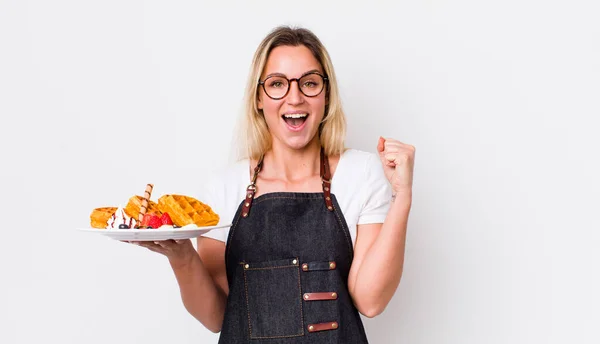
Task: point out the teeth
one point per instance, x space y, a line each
295 115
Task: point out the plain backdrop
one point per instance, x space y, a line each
500 98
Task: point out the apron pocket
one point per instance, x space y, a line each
274 298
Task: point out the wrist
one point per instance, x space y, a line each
183 261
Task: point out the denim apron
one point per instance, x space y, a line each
288 256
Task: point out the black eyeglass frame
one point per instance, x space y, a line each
297 80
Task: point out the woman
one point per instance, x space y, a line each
318 230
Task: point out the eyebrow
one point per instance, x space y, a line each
303 74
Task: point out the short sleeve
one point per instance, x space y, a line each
377 193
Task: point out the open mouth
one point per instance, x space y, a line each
295 120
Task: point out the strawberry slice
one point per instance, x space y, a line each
146 220
166 219
154 222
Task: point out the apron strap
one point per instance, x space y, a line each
325 177
251 189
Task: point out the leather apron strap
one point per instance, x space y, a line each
325 178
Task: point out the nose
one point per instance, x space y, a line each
294 96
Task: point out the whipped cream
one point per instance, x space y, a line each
119 217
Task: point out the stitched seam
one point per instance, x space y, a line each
293 194
256 201
247 305
315 269
230 236
271 267
301 309
290 336
345 231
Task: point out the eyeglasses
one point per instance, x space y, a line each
277 87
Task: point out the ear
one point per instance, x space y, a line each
259 102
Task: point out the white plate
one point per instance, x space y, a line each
153 234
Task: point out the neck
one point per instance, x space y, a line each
289 164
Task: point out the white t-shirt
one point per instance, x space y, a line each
359 185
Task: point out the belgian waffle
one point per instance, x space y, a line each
185 210
100 216
132 209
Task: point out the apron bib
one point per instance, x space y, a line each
288 257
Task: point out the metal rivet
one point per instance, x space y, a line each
306 296
334 295
330 207
334 325
294 262
311 328
305 267
332 265
245 214
249 195
247 204
328 198
246 266
326 189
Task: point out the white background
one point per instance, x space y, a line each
500 98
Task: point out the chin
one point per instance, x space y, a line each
299 142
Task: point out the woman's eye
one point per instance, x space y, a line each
310 84
276 84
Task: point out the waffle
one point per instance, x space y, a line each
185 210
100 216
132 209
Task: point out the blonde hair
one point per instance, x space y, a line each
254 135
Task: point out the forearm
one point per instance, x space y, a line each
381 269
199 293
